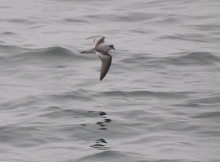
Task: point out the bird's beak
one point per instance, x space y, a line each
113 48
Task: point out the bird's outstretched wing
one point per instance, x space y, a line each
88 51
97 40
106 63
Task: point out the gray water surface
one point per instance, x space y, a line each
160 101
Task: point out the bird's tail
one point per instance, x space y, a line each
88 51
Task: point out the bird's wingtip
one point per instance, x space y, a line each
101 77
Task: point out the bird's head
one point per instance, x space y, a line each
110 47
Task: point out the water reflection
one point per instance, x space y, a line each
101 142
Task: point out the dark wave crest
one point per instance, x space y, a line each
49 55
197 58
72 20
6 50
191 58
165 95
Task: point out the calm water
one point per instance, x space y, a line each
160 101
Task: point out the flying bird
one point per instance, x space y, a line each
101 49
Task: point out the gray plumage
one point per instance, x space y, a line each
101 49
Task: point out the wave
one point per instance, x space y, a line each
167 19
194 58
164 95
8 33
140 58
21 102
11 49
49 55
48 52
208 27
90 96
79 95
108 154
212 115
22 21
130 17
185 58
188 37
206 101
72 20
136 17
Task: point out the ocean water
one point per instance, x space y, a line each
159 102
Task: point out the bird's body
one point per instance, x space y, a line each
101 49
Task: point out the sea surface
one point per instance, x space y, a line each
159 102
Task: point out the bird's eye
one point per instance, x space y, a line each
111 46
